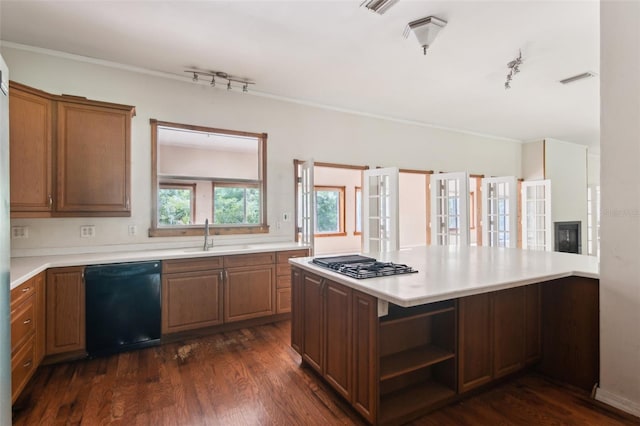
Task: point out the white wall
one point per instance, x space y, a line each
620 191
295 131
532 160
566 167
593 168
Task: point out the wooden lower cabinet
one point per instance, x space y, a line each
475 350
364 395
297 310
312 321
499 334
249 292
65 316
283 278
191 300
27 331
337 367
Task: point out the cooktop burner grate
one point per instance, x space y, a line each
361 267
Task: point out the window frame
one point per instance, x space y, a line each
189 186
197 229
357 197
341 210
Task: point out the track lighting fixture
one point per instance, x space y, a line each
378 6
242 83
514 68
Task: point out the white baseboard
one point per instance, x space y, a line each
618 402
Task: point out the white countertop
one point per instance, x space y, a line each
446 272
23 268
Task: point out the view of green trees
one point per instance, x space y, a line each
327 211
236 205
174 206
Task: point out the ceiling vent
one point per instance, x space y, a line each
578 77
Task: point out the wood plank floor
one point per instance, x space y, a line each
252 377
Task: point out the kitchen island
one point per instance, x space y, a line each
396 347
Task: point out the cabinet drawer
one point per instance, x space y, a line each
22 367
283 281
249 259
190 265
22 292
284 256
22 323
283 300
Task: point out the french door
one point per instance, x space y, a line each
499 212
307 204
380 225
537 233
450 209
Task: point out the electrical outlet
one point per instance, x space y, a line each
87 231
19 232
133 230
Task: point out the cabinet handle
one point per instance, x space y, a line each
127 202
27 364
50 201
27 321
221 277
226 275
26 289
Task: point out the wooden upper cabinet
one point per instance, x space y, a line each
30 153
93 159
69 156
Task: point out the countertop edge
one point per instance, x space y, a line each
25 268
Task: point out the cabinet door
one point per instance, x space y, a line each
191 300
65 310
249 292
365 354
312 321
297 309
475 342
508 331
532 335
93 160
337 367
283 300
30 152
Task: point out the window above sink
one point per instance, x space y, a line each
203 173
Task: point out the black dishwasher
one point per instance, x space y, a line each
122 307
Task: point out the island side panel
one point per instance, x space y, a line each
570 331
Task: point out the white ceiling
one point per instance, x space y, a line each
339 54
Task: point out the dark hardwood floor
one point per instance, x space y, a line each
252 377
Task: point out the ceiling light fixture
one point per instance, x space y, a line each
242 83
514 68
426 30
378 6
587 74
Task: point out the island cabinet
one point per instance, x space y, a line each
191 294
27 332
70 156
389 369
499 334
65 313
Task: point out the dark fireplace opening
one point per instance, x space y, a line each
568 237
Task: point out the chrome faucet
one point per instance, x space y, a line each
206 235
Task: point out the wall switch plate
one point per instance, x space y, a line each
132 230
285 217
87 231
19 232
